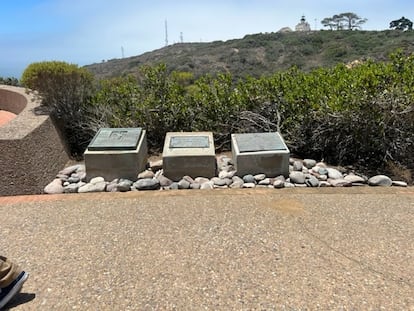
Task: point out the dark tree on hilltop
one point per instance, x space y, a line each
344 21
402 24
9 81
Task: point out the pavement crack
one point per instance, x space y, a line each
363 265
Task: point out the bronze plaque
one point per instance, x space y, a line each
189 142
252 142
115 139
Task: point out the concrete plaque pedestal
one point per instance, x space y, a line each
189 153
117 153
260 153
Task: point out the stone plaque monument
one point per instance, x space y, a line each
117 153
189 153
260 153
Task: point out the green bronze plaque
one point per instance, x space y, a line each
256 142
115 139
189 142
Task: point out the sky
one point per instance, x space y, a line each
90 31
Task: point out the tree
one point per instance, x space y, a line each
352 21
348 21
328 22
403 24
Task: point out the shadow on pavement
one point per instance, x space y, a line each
19 299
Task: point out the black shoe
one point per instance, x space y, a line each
7 293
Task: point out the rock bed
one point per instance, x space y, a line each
303 173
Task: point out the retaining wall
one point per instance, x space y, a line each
31 151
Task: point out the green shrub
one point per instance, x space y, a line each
65 90
155 102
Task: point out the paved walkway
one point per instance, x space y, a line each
290 249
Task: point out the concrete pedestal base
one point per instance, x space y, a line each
112 164
189 153
260 153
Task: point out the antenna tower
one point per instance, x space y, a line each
166 33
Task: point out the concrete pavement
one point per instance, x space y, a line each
259 249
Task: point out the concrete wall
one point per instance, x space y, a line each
31 152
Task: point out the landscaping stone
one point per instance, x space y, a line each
278 184
352 178
201 180
297 177
124 185
227 174
72 169
323 184
323 177
265 182
259 177
340 182
156 165
380 180
73 179
195 186
321 164
249 179
334 173
297 166
147 184
164 181
207 185
96 180
224 163
281 177
71 188
112 186
62 177
300 185
237 182
303 173
80 174
309 163
96 186
289 185
322 171
218 181
146 175
189 179
54 187
312 181
184 184
173 186
249 185
399 183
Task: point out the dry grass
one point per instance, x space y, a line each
399 172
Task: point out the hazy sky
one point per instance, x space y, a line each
89 31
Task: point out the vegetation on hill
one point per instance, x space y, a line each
264 54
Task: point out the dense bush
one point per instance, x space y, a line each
65 89
155 102
360 114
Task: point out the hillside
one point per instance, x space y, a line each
263 54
